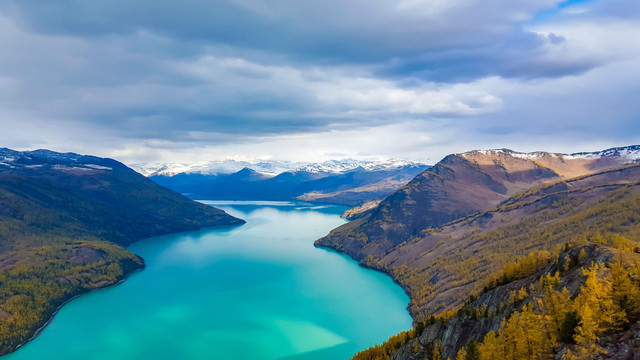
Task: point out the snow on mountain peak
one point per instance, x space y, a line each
628 154
269 167
338 166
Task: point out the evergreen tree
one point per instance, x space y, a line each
568 328
473 353
586 337
626 294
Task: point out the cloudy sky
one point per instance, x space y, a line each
191 80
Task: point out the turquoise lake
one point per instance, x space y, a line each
258 291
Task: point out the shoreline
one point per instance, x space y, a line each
50 319
374 269
124 278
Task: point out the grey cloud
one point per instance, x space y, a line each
444 41
183 74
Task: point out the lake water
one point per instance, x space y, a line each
258 291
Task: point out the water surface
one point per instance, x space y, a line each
259 291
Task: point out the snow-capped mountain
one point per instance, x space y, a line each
12 159
625 154
339 166
216 167
629 153
270 167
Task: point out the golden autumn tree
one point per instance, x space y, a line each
597 295
586 338
626 293
492 348
437 351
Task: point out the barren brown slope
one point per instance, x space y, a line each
443 266
440 266
459 185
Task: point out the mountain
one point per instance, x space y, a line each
429 234
216 167
538 315
63 220
462 184
268 167
477 241
348 182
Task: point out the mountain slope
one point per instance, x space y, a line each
538 315
550 272
438 260
459 185
62 217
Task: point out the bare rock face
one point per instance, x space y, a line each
360 211
84 255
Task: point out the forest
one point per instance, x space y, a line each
542 318
563 280
36 280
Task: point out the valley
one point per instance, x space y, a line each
480 238
259 291
320 180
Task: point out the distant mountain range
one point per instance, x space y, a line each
270 167
62 219
348 182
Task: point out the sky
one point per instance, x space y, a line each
193 80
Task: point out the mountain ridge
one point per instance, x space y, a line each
351 187
459 185
472 278
269 167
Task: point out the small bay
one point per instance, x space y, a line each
258 291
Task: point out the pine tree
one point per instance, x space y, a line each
555 304
597 296
568 327
473 353
626 294
586 338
